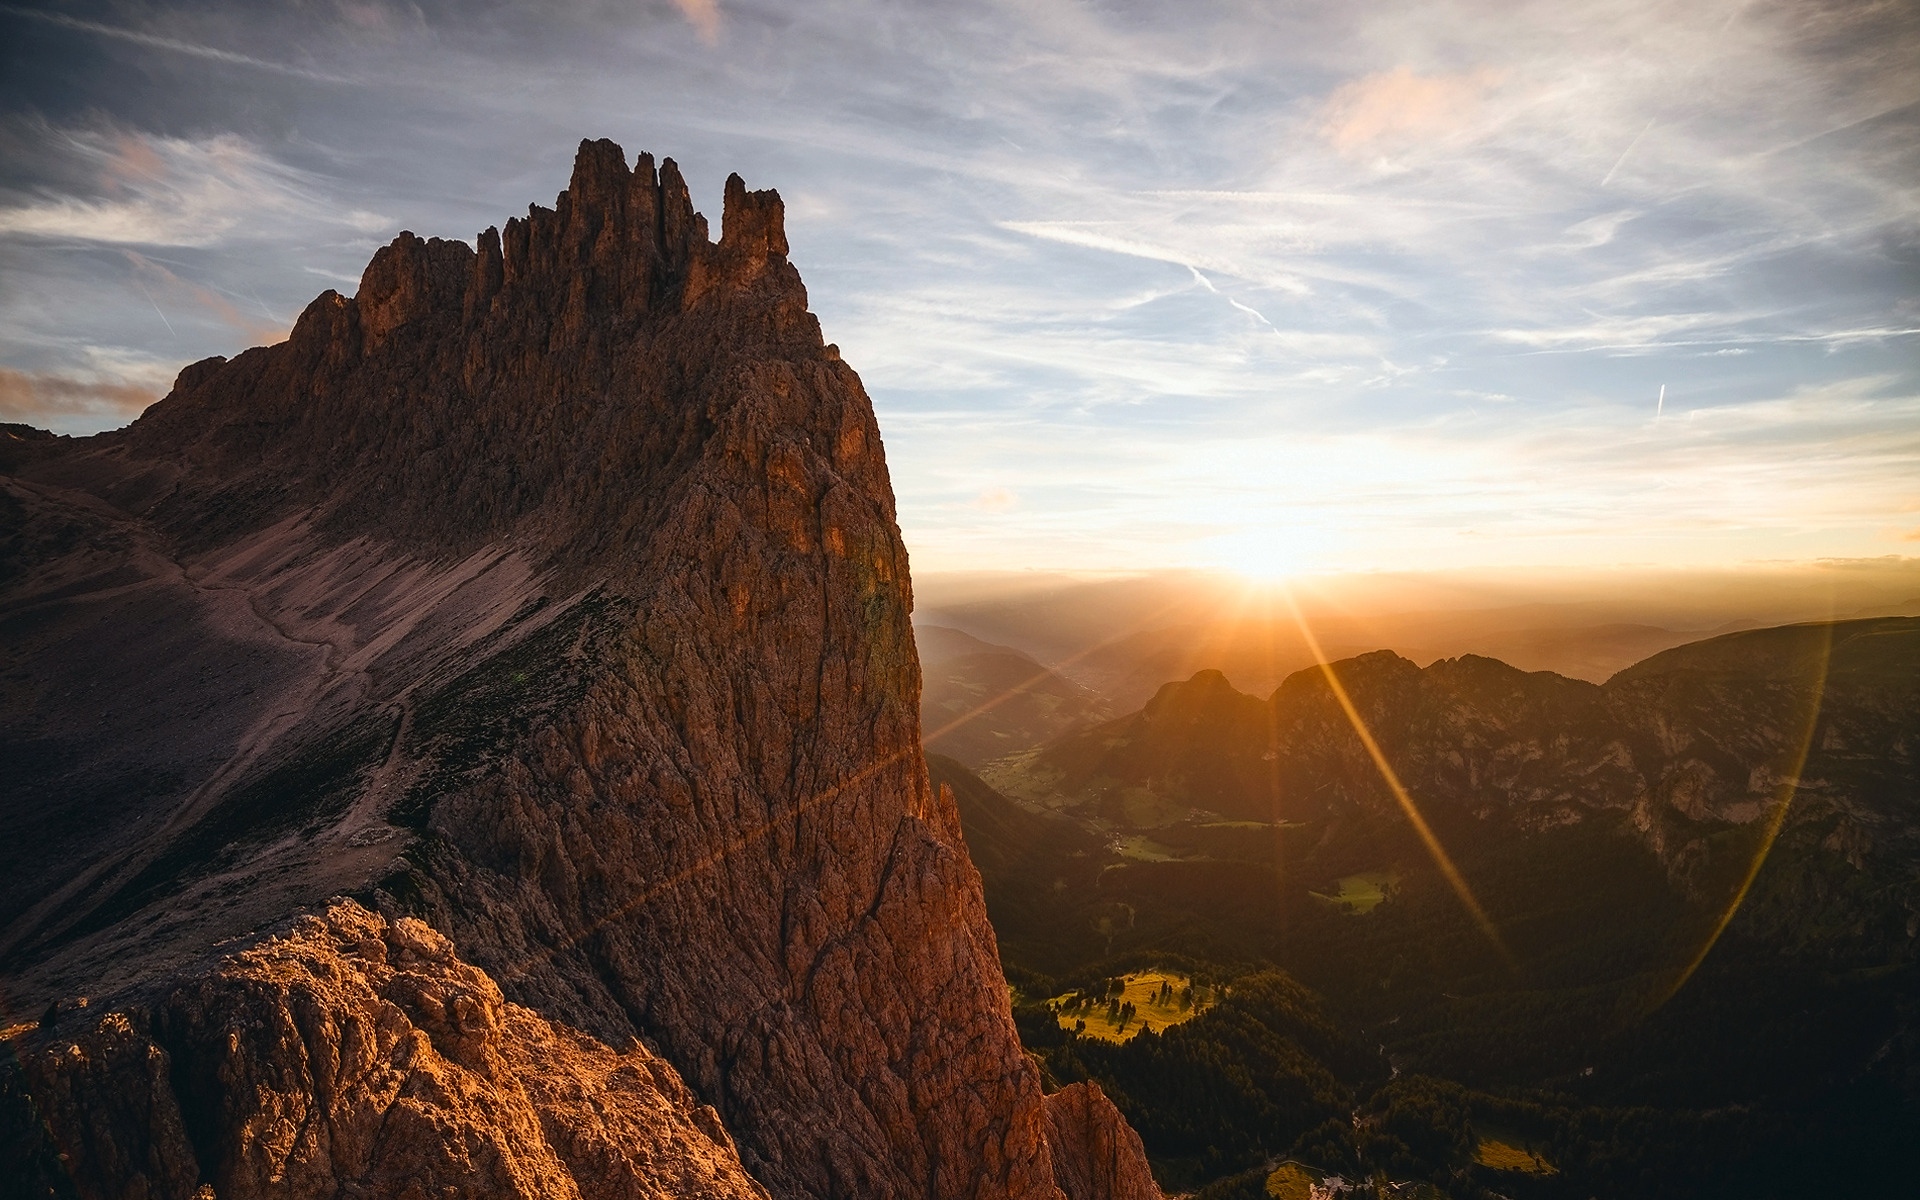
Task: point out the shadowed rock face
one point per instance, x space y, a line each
550 593
1097 1153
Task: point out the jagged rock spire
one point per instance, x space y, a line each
601 612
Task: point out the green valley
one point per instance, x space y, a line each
1597 1034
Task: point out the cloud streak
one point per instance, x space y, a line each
1398 105
176 45
169 191
50 400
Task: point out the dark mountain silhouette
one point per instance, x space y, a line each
1123 637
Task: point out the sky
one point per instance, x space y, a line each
1263 287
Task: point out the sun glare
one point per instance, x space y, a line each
1260 555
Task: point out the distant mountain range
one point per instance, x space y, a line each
1123 638
1694 747
1665 926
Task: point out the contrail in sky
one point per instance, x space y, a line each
173 44
1627 151
1661 405
1208 284
156 307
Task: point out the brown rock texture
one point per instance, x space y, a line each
358 1056
549 593
1095 1152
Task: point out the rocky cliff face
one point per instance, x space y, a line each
1096 1152
546 595
361 1056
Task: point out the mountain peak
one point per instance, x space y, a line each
548 592
1207 689
753 224
600 173
411 278
509 373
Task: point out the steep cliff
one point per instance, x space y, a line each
1096 1152
549 593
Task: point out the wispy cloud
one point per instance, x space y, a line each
170 191
174 45
1398 105
54 401
254 322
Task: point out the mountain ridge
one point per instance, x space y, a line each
1811 724
547 594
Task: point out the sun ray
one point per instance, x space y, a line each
1428 838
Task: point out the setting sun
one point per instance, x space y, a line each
1260 555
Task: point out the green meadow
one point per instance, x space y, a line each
1362 893
1158 999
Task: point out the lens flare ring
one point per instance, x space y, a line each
1776 821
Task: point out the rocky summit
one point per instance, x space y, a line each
472 747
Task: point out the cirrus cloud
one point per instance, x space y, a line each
170 191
